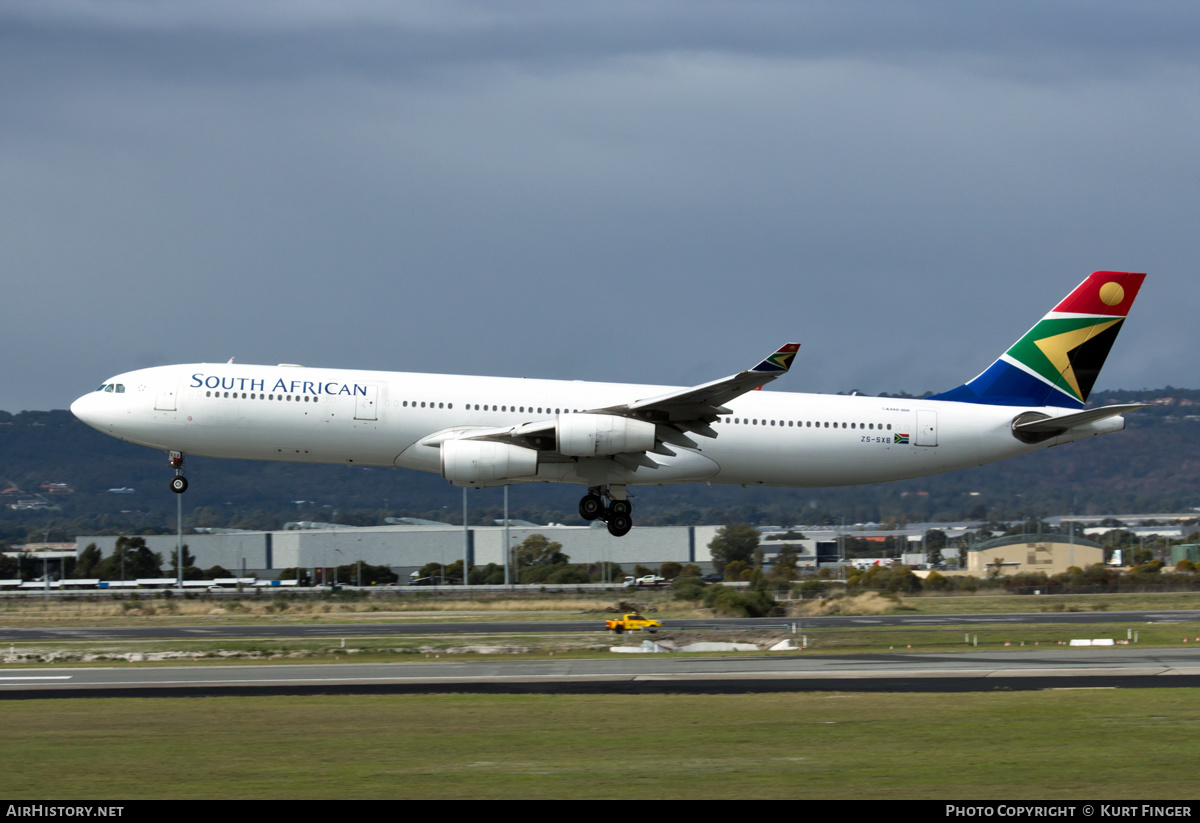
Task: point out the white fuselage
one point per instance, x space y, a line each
389 418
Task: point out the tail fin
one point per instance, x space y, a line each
1057 361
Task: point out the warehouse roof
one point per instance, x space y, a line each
1018 539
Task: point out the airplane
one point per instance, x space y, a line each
481 431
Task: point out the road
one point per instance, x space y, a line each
1119 667
591 623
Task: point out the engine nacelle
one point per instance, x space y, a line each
592 435
483 463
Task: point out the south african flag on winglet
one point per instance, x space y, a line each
900 439
780 361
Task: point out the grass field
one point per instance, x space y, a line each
1005 603
533 607
1079 744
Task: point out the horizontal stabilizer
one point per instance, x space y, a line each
1065 422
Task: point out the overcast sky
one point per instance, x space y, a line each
656 192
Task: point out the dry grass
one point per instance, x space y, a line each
509 604
862 604
223 608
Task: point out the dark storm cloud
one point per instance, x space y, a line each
255 41
656 192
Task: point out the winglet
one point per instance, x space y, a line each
780 361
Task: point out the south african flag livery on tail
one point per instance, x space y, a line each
1057 361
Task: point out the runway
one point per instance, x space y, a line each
588 624
1116 667
1119 667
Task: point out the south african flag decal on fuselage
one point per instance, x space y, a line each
900 439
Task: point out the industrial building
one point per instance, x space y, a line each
406 548
1048 553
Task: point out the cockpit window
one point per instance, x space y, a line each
102 388
120 388
109 387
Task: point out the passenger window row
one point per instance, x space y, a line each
807 424
405 404
489 407
260 396
745 421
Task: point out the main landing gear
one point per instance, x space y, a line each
608 503
178 482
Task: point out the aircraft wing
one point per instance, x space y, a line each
694 408
674 414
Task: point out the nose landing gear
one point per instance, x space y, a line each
179 483
616 512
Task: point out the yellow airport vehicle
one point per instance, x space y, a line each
632 622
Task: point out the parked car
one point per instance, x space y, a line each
649 581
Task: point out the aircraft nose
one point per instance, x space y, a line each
86 411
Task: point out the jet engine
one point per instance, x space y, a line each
483 463
592 435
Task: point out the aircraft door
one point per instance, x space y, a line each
927 428
165 400
366 406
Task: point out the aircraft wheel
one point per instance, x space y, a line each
621 507
179 484
619 524
591 507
